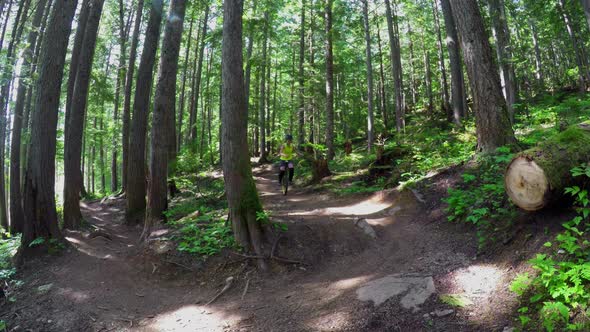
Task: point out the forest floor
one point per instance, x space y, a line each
386 277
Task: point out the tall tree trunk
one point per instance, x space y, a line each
249 49
39 194
128 90
263 102
121 73
503 53
7 78
329 80
492 121
441 64
311 109
163 118
92 163
427 77
75 59
396 66
193 97
136 180
457 81
538 62
73 181
206 96
5 24
183 89
242 195
255 131
301 110
414 86
268 98
570 30
102 162
586 6
274 106
197 86
369 63
16 203
382 94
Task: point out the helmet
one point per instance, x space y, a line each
288 137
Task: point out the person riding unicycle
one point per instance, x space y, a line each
287 154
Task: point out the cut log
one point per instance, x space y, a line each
537 176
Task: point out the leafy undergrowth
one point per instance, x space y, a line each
8 248
198 216
480 199
556 298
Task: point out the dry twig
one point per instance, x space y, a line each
228 283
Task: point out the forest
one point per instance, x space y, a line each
309 165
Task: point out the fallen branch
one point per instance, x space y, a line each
178 264
245 289
100 233
228 283
275 245
280 259
247 285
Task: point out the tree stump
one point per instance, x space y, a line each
348 147
537 176
320 170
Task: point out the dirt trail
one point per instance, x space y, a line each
104 284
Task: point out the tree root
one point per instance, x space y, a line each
279 259
228 283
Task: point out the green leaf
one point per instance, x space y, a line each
37 242
456 300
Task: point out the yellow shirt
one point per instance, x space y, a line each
288 152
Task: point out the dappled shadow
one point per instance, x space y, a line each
103 284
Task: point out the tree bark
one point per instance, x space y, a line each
538 62
73 181
301 110
492 121
427 77
457 81
136 181
414 84
583 74
329 80
183 89
197 86
263 102
242 195
128 89
441 65
39 194
586 6
121 73
382 95
7 78
75 59
503 53
396 66
163 118
16 202
249 48
369 64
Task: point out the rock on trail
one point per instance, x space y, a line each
415 289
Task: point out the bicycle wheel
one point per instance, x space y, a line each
285 184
